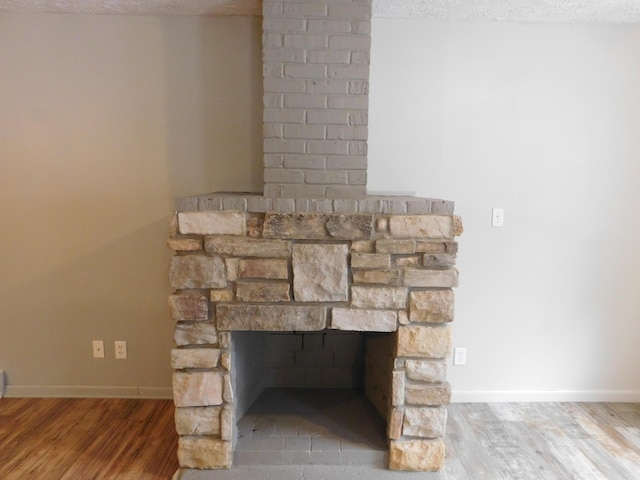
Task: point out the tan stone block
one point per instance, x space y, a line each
379 297
413 261
313 226
363 320
431 306
197 271
212 223
226 423
188 307
227 389
431 278
362 246
198 420
267 268
403 318
232 268
396 418
173 224
428 394
320 272
225 360
430 247
426 370
197 389
271 317
370 260
421 226
195 334
263 292
424 341
384 277
225 339
417 455
204 453
254 226
247 247
382 225
458 229
182 358
425 422
397 388
406 247
185 244
222 295
439 259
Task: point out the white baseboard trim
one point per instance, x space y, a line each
78 391
497 396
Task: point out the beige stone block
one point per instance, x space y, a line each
185 244
430 247
276 318
182 358
222 295
384 277
439 259
212 223
232 268
417 455
197 389
397 388
227 389
263 292
431 278
320 272
197 271
198 420
363 320
173 224
424 341
313 226
267 268
382 225
254 227
412 261
396 419
431 306
225 339
425 422
421 226
458 229
204 453
379 297
403 318
362 246
236 246
370 260
195 334
405 247
428 394
226 423
188 307
225 360
426 370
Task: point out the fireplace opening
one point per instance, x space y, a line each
311 398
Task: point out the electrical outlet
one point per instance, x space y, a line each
497 217
98 349
121 349
459 356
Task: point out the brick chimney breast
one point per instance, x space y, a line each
316 95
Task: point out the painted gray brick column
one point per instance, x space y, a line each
316 84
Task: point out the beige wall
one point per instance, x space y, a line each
103 121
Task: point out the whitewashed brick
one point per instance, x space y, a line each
284 85
349 42
284 55
304 131
347 162
305 71
348 102
305 10
283 25
329 56
284 116
327 117
329 26
278 145
332 177
306 41
329 147
329 85
283 175
313 162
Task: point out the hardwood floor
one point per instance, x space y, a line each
91 439
87 439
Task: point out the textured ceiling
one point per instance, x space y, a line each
572 11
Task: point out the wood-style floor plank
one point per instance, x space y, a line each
87 439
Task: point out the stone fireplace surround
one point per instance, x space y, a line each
346 265
312 256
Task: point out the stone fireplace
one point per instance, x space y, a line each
313 257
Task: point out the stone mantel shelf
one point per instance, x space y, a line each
257 203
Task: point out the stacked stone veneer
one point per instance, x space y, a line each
252 268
